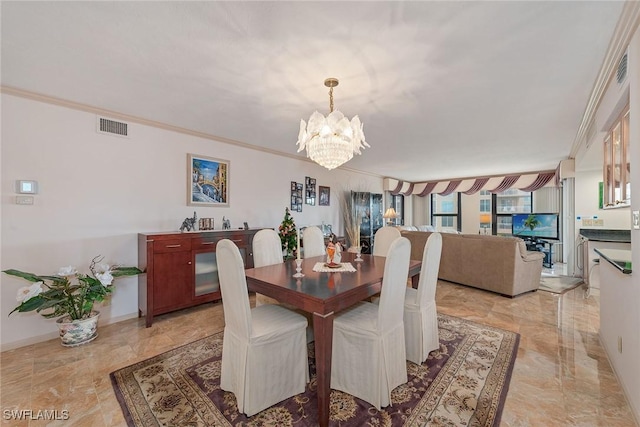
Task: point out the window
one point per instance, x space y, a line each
507 203
445 211
513 201
485 214
446 221
397 202
616 168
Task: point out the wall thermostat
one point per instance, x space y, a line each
26 187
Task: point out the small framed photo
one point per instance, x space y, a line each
207 181
325 196
310 191
296 196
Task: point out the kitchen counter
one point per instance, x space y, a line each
619 258
622 236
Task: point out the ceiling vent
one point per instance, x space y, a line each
621 73
112 127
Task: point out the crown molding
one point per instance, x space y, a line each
625 29
8 90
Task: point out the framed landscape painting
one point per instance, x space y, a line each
207 181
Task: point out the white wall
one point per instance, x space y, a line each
471 214
587 199
620 294
420 210
632 386
98 191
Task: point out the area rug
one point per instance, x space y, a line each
464 382
559 284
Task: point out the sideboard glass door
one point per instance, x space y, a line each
206 273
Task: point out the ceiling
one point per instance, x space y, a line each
444 89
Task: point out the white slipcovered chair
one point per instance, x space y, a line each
267 250
313 241
382 240
368 354
420 314
264 350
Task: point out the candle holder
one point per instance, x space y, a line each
298 268
358 257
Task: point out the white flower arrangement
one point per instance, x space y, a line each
68 293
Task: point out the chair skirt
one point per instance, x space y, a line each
366 363
263 299
272 365
420 328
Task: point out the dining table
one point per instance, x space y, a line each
323 295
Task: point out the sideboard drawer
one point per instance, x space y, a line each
207 242
176 245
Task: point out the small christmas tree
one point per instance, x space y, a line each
288 234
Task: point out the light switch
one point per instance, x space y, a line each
636 220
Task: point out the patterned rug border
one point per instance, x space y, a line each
512 340
114 381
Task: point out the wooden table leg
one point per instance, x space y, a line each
414 281
323 335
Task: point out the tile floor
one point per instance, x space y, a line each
561 376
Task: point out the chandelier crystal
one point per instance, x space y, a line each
331 141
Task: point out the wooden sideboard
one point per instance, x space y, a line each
181 269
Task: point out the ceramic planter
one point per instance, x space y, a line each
78 332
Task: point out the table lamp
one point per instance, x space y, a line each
390 215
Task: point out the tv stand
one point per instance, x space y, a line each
544 246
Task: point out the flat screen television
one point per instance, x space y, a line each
545 226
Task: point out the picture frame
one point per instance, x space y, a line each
299 196
310 191
207 181
296 197
324 197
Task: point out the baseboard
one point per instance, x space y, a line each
53 335
29 341
634 411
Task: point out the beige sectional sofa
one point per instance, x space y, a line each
494 263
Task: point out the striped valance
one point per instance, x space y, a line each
496 184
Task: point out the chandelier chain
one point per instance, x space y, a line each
331 99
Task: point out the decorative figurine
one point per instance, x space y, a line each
226 224
189 223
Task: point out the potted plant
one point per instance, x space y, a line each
288 235
70 295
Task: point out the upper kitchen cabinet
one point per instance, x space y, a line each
616 169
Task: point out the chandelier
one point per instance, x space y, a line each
331 141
